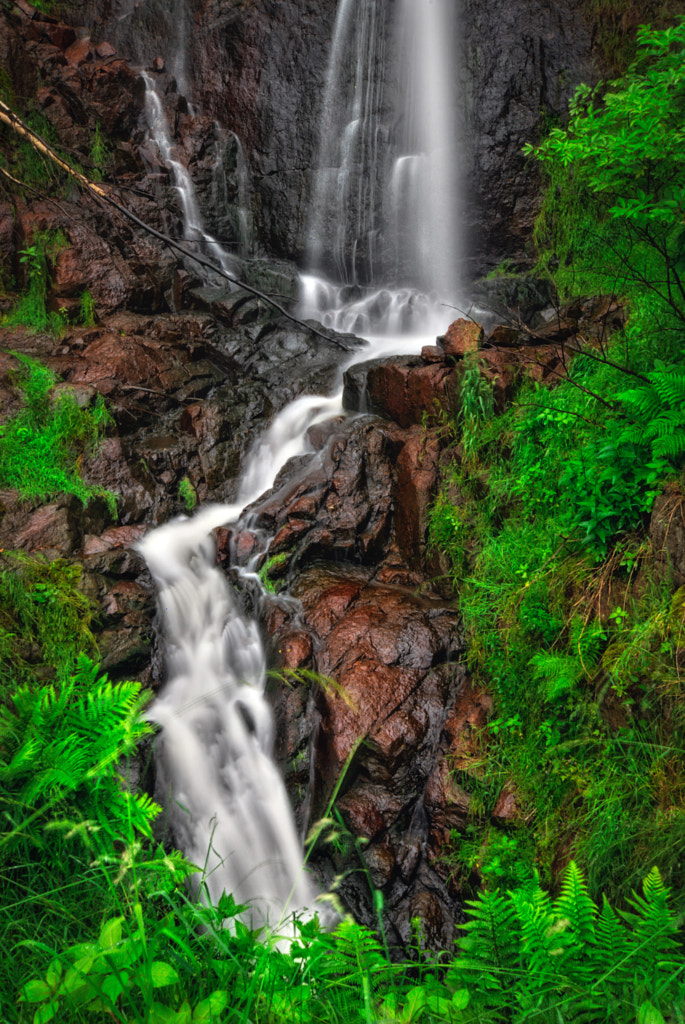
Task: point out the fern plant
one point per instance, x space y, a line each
658 409
59 749
560 673
528 958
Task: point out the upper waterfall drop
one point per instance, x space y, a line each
384 231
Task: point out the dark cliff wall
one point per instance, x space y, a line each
522 62
258 67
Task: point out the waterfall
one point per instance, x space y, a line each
384 209
227 807
383 237
193 227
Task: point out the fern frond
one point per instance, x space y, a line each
654 928
493 932
559 673
575 905
613 943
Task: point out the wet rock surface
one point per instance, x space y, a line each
515 67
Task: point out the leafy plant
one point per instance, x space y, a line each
658 407
31 310
59 749
624 149
41 447
538 959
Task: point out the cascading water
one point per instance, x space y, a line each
226 804
383 242
193 228
384 207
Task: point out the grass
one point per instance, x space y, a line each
41 447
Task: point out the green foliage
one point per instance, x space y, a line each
59 749
187 494
272 569
658 409
99 154
476 404
44 619
617 175
31 311
565 960
87 314
41 447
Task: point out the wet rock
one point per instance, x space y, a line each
506 809
416 487
393 656
404 390
53 529
462 337
433 354
79 51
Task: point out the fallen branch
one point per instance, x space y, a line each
8 117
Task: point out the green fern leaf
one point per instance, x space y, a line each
575 905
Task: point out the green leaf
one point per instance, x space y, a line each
46 1012
110 933
414 1005
54 973
461 998
160 1014
209 1009
35 991
648 1014
162 974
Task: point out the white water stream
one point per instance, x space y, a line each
384 242
227 805
193 226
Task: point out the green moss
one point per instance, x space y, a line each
187 494
45 620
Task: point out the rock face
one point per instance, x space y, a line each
521 63
516 67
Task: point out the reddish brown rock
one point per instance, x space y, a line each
405 392
433 354
294 649
369 810
61 36
105 49
505 336
49 528
462 337
79 52
417 480
506 808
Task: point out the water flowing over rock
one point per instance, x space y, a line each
215 140
514 68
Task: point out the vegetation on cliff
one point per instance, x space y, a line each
574 615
